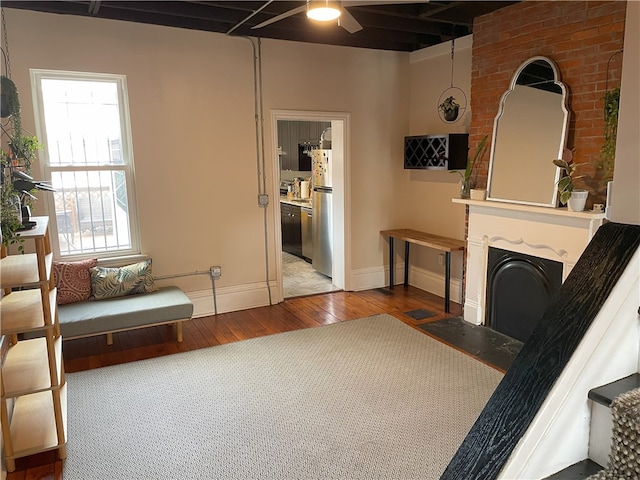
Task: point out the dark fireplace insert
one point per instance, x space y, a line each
519 289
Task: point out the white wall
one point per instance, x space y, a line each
191 96
192 117
626 176
425 196
430 192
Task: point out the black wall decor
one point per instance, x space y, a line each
436 152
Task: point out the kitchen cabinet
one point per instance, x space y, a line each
288 139
33 406
307 233
293 133
284 147
304 129
293 146
291 224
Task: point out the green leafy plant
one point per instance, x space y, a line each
449 109
471 164
565 184
9 222
449 105
608 150
22 150
9 99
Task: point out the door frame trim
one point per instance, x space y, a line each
341 138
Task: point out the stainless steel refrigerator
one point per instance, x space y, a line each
322 204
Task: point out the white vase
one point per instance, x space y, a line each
577 200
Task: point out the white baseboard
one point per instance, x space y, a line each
242 297
472 313
432 282
230 299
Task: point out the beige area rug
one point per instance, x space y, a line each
364 399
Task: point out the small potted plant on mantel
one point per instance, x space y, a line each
467 182
571 196
450 109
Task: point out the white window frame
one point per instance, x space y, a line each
37 75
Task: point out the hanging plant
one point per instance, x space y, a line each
453 101
21 152
608 150
450 109
9 99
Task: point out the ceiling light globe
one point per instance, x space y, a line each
323 14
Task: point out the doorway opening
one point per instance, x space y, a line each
311 215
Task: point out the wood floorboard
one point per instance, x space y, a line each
292 314
199 327
308 312
218 329
196 335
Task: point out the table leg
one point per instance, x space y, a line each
391 262
447 280
406 263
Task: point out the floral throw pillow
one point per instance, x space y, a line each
110 282
73 280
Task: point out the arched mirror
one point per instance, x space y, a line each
529 132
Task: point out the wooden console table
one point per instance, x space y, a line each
444 244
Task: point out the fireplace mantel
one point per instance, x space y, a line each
551 233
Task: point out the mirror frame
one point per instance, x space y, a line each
565 131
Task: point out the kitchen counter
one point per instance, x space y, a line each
298 202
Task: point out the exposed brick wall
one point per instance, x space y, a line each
580 37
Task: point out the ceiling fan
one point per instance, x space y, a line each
327 10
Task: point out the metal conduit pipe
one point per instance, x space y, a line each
260 156
264 175
261 177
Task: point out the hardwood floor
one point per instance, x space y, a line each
292 314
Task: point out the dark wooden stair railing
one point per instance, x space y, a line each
517 399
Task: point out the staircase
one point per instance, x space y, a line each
537 421
611 433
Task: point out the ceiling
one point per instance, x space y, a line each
398 27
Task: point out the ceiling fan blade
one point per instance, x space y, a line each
282 16
349 23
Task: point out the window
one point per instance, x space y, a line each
83 122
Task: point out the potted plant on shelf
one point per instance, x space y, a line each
10 207
467 181
574 198
450 109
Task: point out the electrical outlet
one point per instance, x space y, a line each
441 259
216 272
263 199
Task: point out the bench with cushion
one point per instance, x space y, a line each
96 300
95 317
